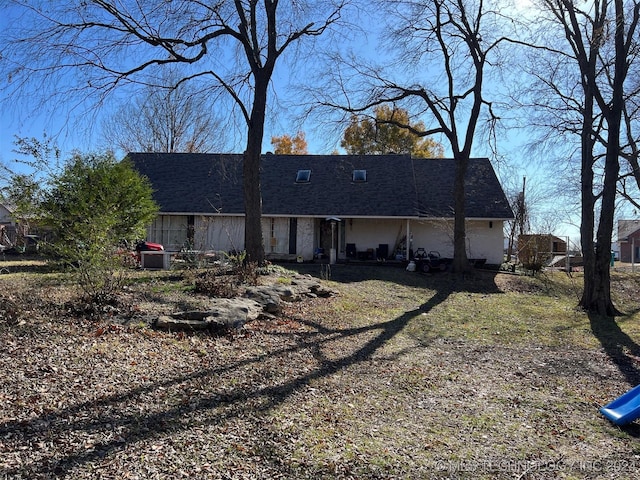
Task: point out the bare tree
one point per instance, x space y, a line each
39 160
600 47
165 118
629 185
450 44
93 47
521 221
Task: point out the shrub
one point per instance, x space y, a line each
248 273
216 283
9 311
93 205
227 282
534 251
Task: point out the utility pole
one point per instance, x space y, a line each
521 214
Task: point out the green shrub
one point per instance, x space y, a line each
95 204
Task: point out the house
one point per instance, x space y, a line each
7 227
340 206
545 249
545 243
6 217
18 228
629 240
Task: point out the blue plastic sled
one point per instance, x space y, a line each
624 409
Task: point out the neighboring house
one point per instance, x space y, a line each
5 214
545 249
351 206
7 226
546 243
629 240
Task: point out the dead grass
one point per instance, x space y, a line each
401 375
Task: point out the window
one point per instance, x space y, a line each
303 176
359 176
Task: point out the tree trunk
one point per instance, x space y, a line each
251 175
587 220
597 297
460 260
511 244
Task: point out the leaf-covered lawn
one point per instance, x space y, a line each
401 375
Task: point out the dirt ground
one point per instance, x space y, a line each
360 385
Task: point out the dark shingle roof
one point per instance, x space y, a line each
193 183
396 186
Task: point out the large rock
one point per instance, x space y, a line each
310 286
271 296
224 314
233 313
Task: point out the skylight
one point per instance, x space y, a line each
303 176
359 176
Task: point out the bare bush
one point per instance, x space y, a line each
9 311
217 283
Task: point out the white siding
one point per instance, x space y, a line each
305 238
370 233
169 230
433 235
485 239
219 233
275 235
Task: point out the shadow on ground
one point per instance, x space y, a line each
477 280
620 347
113 413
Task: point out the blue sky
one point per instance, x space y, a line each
69 139
18 119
